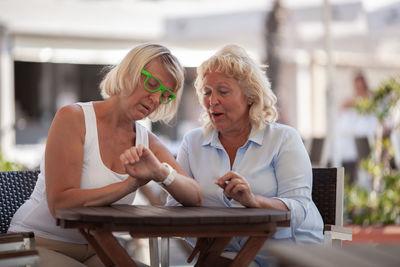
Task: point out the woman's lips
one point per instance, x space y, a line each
148 108
216 115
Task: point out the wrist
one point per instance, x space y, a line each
130 184
255 203
168 175
163 173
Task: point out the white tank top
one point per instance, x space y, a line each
34 214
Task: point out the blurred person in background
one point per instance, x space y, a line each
360 91
355 131
241 157
98 154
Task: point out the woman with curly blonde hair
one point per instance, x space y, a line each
241 156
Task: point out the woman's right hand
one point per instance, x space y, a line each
142 164
236 187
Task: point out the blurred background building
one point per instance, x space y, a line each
53 52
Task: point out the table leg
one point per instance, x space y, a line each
97 248
249 251
211 254
113 249
252 246
202 245
165 252
154 252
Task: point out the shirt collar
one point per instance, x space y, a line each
212 139
256 137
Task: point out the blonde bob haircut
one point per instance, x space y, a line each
234 62
124 78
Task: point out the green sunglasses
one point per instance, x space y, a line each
152 84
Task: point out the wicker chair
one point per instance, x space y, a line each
15 188
327 194
16 248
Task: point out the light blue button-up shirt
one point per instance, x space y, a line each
275 164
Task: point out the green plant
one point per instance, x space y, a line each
381 203
6 165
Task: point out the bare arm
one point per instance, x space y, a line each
143 163
63 166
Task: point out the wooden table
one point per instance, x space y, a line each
215 225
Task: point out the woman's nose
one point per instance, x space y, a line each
155 97
213 99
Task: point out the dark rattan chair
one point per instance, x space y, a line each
15 188
16 249
327 194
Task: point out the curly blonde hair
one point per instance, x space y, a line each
123 78
234 62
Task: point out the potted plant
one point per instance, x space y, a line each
379 205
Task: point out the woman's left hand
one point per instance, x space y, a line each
141 163
235 186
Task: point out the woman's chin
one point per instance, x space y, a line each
137 116
218 126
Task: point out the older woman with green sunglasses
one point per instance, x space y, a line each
98 154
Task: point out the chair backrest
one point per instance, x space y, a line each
317 150
15 188
363 147
327 194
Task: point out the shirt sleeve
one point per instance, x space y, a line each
294 176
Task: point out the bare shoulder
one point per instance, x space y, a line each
72 113
69 118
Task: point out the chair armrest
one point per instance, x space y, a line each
337 232
19 258
13 242
338 229
6 238
26 234
26 238
21 234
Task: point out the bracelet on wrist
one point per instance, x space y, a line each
171 175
